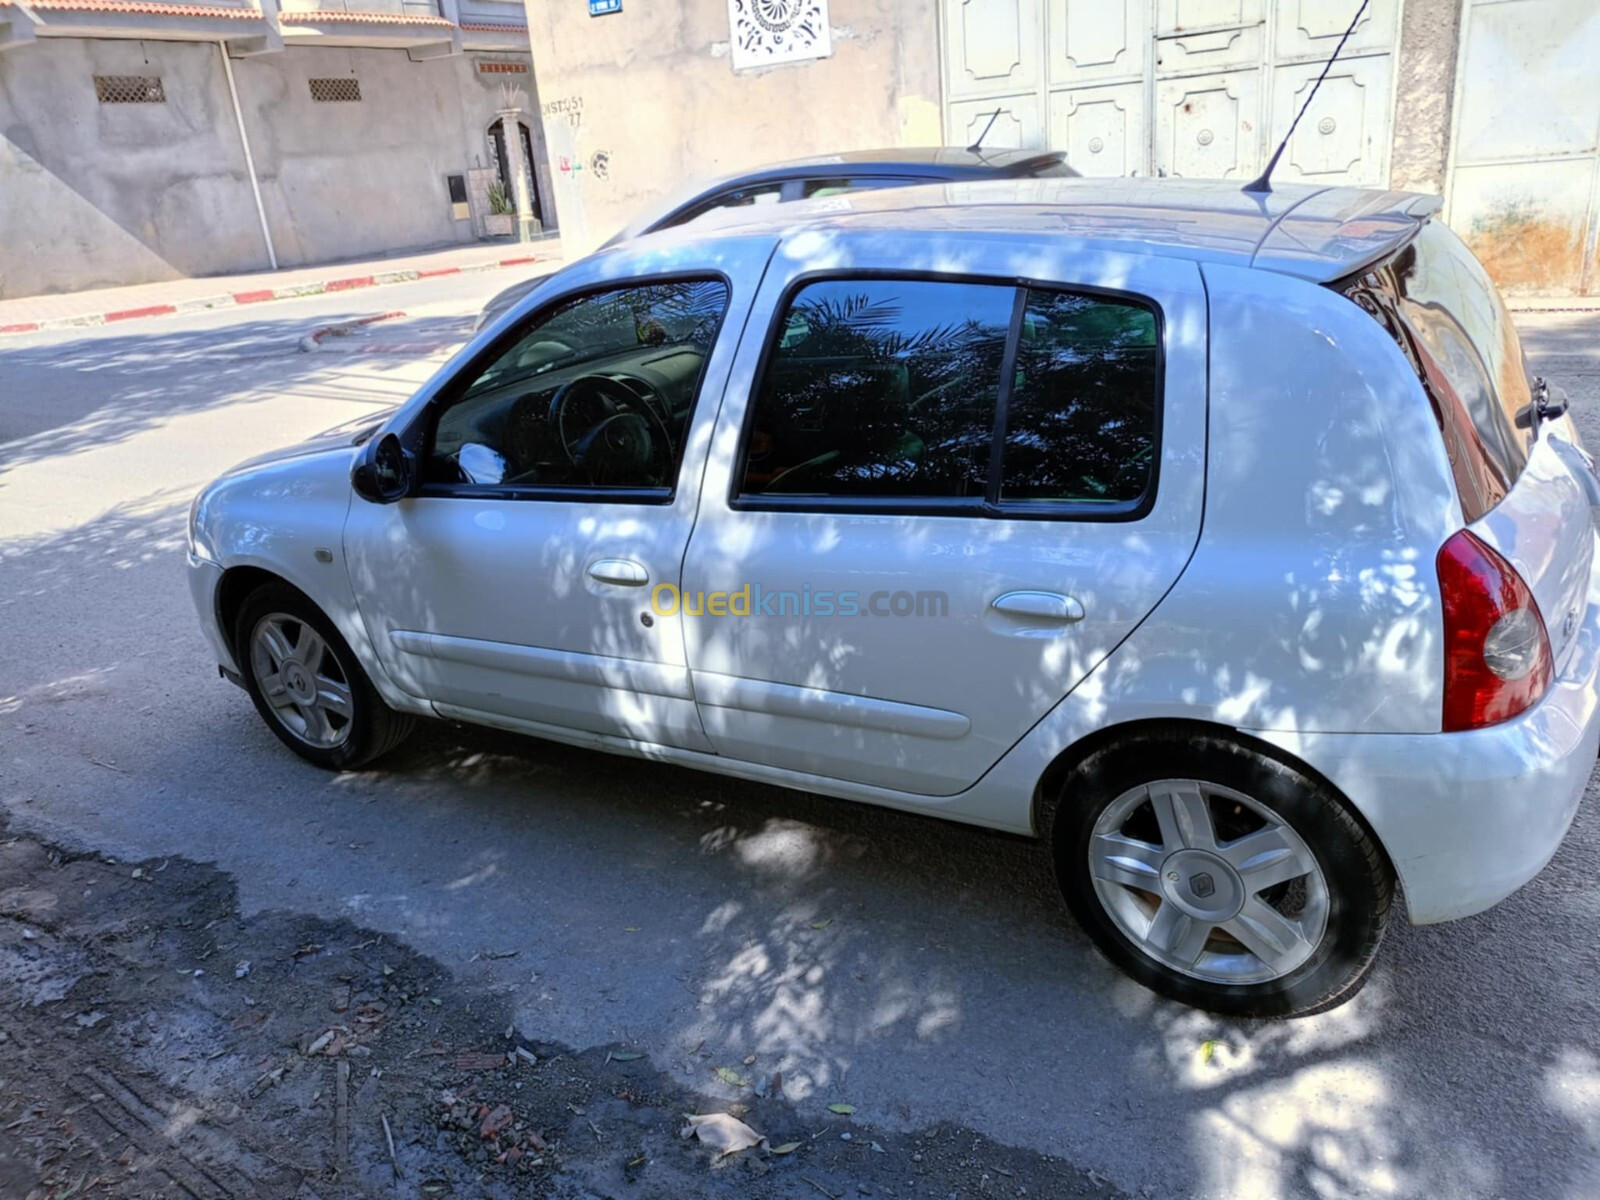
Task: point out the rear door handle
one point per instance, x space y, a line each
623 572
1039 606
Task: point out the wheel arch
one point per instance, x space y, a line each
236 586
1047 795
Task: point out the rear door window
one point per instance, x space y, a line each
814 189
889 394
744 197
1080 425
881 388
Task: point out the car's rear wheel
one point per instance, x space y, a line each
307 684
1219 876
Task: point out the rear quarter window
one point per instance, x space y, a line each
1445 313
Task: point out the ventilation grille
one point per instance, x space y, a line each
343 89
486 67
129 89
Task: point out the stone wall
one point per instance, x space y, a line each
1424 89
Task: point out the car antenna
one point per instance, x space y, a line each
978 145
1263 182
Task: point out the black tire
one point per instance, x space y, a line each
372 728
1359 881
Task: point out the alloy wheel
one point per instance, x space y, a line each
1208 881
302 680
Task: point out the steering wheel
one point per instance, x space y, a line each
609 428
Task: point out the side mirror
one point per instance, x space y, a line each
383 472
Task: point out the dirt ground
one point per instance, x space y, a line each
154 1043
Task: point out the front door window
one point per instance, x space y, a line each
595 393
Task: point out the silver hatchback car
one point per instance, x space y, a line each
1220 541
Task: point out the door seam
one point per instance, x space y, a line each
700 494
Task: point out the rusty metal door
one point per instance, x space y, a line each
1524 167
1209 65
1198 88
992 61
1097 67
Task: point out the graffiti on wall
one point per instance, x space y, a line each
568 109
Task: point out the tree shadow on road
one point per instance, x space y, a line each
95 390
914 969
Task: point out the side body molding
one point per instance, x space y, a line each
622 674
714 690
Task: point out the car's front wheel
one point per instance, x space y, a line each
307 684
1219 876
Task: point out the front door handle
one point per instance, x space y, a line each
1039 606
623 572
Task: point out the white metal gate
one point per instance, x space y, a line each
1200 88
1524 169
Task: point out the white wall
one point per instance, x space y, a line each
652 89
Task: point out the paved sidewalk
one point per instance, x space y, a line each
1553 304
28 314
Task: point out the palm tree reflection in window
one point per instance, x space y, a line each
882 388
1081 423
888 389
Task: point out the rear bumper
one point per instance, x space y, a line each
1468 818
204 579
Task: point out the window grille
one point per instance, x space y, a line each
341 89
129 89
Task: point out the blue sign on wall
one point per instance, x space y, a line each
599 8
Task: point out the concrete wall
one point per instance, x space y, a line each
98 194
94 194
343 180
650 96
1424 86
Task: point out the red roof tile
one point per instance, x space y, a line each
318 16
149 8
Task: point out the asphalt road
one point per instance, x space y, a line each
923 973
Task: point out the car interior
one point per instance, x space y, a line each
599 394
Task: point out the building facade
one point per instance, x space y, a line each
640 101
1493 103
143 140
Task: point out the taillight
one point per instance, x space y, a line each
1496 651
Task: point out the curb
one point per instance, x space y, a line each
393 349
264 295
344 329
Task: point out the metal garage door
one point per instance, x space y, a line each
1524 170
1199 88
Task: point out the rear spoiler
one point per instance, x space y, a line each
1340 232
